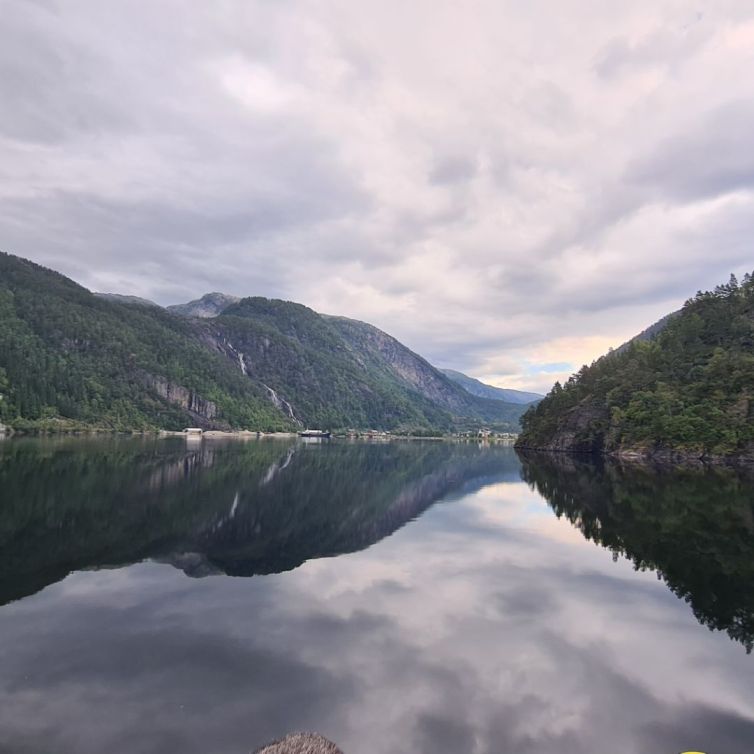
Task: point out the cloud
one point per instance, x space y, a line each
486 625
709 158
475 182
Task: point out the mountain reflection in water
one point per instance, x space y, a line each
213 507
404 597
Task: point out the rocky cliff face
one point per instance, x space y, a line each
581 429
209 305
204 411
372 345
380 352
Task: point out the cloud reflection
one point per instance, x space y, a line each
477 628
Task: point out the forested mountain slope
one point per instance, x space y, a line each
688 391
380 353
70 358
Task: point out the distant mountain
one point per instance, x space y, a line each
476 387
120 298
687 392
209 305
71 359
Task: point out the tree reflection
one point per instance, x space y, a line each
694 526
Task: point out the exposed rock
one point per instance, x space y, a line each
369 342
301 743
193 564
203 410
580 430
282 405
209 305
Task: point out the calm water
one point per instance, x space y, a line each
162 597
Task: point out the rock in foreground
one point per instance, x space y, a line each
301 743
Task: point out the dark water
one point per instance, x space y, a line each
426 597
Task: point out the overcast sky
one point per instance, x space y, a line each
509 188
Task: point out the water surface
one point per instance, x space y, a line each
405 597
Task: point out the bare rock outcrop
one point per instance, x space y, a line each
301 743
204 411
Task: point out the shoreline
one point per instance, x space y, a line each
642 456
242 434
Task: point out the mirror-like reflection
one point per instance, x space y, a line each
406 597
212 507
694 526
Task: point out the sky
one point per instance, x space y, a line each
508 188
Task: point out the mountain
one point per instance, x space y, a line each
338 372
476 387
209 305
685 393
71 359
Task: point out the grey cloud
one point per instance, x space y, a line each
285 149
711 158
55 91
705 728
208 690
666 46
452 170
443 735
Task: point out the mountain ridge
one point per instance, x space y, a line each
69 358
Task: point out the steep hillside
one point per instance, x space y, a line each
476 387
380 352
332 371
687 392
71 358
308 372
